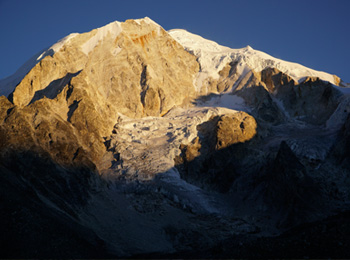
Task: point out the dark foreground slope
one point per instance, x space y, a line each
328 238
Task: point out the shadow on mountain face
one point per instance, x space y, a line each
287 189
278 182
54 88
38 201
327 238
285 186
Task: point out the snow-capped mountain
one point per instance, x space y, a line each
211 56
131 141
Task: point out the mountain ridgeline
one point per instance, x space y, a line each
131 141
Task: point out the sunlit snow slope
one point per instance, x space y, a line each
213 57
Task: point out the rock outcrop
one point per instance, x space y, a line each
233 129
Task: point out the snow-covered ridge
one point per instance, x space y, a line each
57 46
8 84
113 28
213 57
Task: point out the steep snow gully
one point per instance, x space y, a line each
131 141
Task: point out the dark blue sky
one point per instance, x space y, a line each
315 33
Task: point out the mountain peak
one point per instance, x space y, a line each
146 19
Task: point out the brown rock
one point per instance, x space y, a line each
193 150
228 77
274 78
5 105
234 128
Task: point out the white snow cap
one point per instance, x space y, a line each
213 57
113 28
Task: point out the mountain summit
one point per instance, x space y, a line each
131 141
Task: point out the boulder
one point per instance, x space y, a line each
234 128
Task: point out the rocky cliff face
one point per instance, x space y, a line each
133 140
132 68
